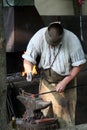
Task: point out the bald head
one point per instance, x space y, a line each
54 33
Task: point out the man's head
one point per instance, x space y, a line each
54 33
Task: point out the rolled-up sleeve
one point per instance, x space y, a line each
29 58
31 53
34 47
78 57
76 52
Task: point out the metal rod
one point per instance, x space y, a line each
52 91
21 91
45 93
56 91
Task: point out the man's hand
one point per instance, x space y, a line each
60 87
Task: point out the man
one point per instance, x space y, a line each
61 59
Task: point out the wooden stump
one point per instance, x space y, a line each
38 126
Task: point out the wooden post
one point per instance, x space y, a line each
3 119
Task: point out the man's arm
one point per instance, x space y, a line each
62 84
28 66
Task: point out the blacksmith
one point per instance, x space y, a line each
61 59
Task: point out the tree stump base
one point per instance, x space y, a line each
49 125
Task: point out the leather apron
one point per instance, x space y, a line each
63 104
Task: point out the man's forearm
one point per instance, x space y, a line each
28 66
62 84
72 74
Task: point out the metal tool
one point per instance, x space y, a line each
29 77
21 91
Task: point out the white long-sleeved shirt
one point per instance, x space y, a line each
69 54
